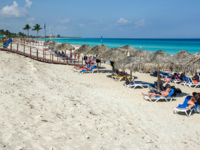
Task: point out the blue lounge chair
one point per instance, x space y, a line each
133 84
192 84
154 74
183 107
162 97
185 81
89 71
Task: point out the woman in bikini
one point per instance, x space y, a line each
191 103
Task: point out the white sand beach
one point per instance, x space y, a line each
50 107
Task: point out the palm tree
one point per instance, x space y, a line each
37 28
27 27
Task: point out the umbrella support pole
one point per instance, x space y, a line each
131 75
97 67
158 82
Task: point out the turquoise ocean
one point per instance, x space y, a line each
170 46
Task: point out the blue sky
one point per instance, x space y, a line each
107 18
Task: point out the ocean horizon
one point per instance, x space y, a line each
169 45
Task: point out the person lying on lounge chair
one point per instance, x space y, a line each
196 77
163 93
81 67
193 100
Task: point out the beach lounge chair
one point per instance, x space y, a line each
75 68
153 88
177 80
89 71
154 74
157 98
183 107
185 81
192 84
118 77
133 84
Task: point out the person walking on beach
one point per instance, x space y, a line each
85 58
71 55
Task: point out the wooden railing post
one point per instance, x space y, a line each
17 47
30 52
43 55
11 46
52 57
37 54
74 60
24 50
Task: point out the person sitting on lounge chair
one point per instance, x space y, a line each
193 100
163 93
120 73
182 75
196 77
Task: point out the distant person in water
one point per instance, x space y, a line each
163 93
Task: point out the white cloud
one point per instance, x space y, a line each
122 21
61 27
65 20
30 19
28 4
4 24
140 23
81 25
15 11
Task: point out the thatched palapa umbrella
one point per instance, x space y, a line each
159 59
179 59
83 49
130 62
64 46
97 50
50 44
143 54
128 50
191 63
114 55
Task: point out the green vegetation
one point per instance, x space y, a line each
27 27
37 28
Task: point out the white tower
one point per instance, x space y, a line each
50 33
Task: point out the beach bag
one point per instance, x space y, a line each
195 81
178 91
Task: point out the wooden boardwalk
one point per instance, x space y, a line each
43 59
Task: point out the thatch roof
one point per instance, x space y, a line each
128 49
83 49
189 64
64 46
50 44
181 55
130 62
114 54
98 50
143 54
